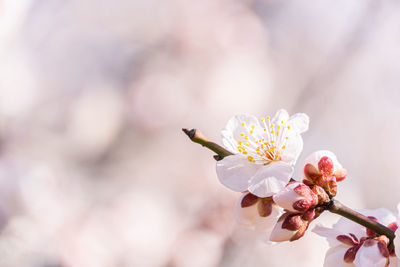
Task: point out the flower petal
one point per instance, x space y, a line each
329 233
249 217
264 225
299 122
231 133
396 242
394 262
270 179
236 171
335 257
293 149
281 115
245 216
370 256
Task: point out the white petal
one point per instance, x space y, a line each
397 242
299 122
294 146
398 210
231 133
265 225
384 216
329 233
236 171
394 262
369 257
279 234
246 216
281 115
335 257
270 179
249 217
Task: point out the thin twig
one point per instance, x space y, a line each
197 137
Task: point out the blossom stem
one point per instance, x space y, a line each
197 137
335 206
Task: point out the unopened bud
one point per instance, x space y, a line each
289 227
323 169
296 197
311 173
340 174
325 166
322 195
309 215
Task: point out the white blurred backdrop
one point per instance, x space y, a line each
94 169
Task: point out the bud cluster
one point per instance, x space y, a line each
323 169
302 201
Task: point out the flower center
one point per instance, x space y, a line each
265 144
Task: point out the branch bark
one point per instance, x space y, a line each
338 208
197 137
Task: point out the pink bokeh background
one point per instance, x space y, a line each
94 168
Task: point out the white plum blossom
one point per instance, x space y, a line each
259 214
264 151
370 254
353 245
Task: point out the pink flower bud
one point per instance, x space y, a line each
322 195
340 174
311 173
323 169
290 227
296 197
325 166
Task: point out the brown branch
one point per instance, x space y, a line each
197 137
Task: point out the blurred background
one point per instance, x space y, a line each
94 168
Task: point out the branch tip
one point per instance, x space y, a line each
189 133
